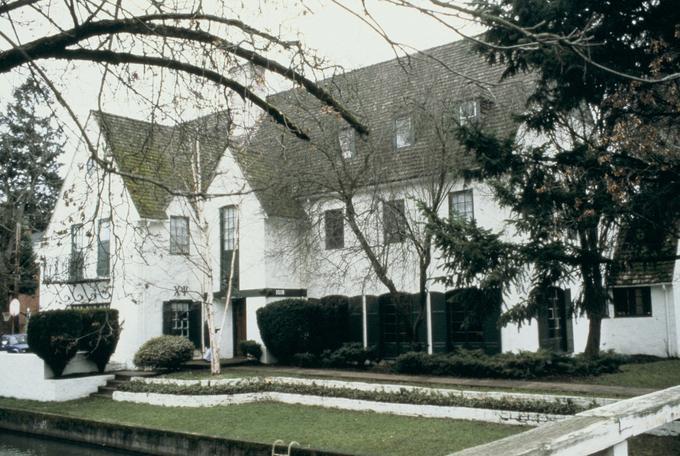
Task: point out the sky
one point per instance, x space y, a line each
324 25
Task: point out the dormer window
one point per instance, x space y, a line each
468 111
403 132
347 145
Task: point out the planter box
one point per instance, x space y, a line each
28 377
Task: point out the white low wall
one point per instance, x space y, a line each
419 410
385 387
27 377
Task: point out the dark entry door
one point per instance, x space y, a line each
472 319
239 323
183 318
555 322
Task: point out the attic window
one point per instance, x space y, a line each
179 235
403 132
468 111
346 140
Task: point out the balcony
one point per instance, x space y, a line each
72 269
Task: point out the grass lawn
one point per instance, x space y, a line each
657 375
343 431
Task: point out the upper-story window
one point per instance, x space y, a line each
632 302
394 221
403 132
179 235
77 259
229 247
461 204
468 111
334 225
104 248
347 144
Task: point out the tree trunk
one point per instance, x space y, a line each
594 335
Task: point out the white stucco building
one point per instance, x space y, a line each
131 240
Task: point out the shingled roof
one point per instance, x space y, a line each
428 86
636 264
149 153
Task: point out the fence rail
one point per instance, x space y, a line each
603 429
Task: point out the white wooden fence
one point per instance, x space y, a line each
603 429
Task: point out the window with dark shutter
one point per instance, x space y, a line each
632 302
103 248
394 221
179 235
335 229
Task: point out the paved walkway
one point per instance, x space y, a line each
572 388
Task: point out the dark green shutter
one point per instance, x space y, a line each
568 318
195 323
439 322
421 336
373 321
356 320
543 340
492 332
167 318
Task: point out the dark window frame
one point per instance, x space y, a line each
334 229
626 304
104 250
175 247
394 221
453 207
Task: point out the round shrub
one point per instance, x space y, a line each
100 335
286 327
165 352
53 336
251 348
330 323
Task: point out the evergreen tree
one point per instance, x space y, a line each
29 182
598 153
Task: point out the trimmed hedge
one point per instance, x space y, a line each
352 355
101 331
57 335
523 365
165 352
53 336
251 348
293 326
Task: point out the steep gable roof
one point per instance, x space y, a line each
429 87
636 260
149 154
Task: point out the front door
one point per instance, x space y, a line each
239 324
555 322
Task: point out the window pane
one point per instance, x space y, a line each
179 235
335 229
229 227
461 204
103 248
403 132
394 221
468 111
346 140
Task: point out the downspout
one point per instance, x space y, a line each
668 321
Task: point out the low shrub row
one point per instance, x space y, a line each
349 355
403 396
523 365
57 335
